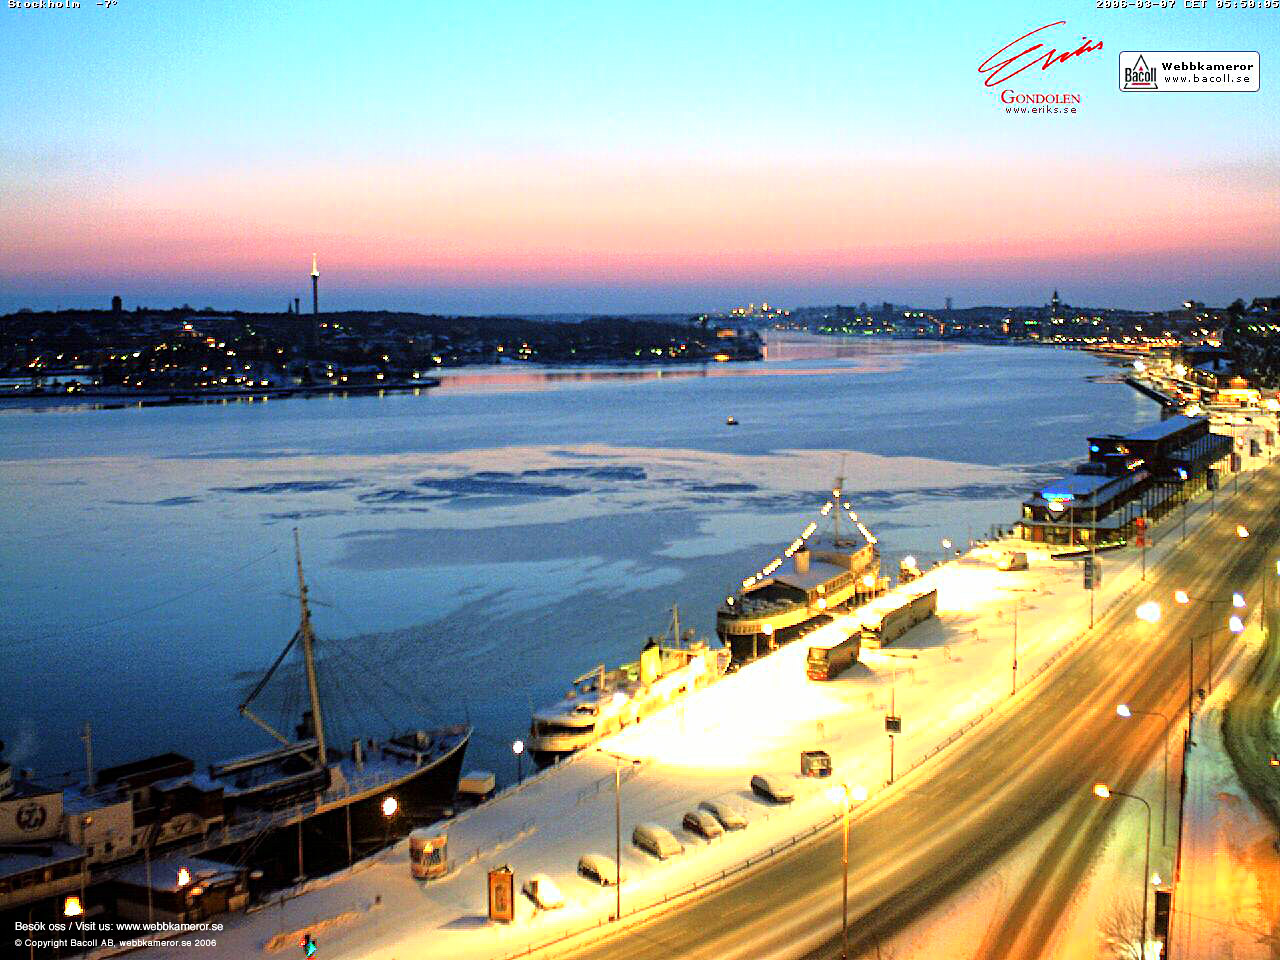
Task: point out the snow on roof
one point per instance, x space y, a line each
164 872
1165 428
819 572
24 858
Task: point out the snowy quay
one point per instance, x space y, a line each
993 743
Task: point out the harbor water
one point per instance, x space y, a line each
472 549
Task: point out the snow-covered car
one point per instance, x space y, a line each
542 890
772 787
703 824
727 814
601 869
656 840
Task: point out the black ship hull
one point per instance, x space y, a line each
334 835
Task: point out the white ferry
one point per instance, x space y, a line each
604 701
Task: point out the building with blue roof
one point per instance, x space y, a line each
1144 473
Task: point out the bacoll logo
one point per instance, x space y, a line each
1138 76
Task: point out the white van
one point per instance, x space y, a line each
656 840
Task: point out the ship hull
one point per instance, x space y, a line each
316 842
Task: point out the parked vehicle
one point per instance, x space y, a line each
703 824
889 618
542 890
772 788
828 660
729 816
600 869
656 841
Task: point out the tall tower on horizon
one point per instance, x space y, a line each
315 287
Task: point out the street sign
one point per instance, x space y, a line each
1140 527
502 888
1092 573
892 724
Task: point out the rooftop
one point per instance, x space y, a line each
1165 428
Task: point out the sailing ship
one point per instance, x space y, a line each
818 575
378 788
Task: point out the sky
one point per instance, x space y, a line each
614 157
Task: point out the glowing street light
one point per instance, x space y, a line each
518 749
389 806
1242 531
71 907
1106 793
846 796
1180 596
1125 711
1149 612
184 876
1235 624
1237 600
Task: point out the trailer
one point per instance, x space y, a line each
882 626
828 660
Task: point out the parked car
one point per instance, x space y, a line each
703 824
542 890
772 788
727 814
656 840
601 869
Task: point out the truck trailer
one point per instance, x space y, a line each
828 660
883 626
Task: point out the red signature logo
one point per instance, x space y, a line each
1003 70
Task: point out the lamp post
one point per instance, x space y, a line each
518 749
1105 792
846 797
1017 605
1125 711
617 827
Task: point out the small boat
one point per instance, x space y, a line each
730 421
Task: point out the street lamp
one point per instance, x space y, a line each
518 749
617 826
1125 711
1242 531
847 797
1105 792
1148 612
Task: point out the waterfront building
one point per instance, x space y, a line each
1145 473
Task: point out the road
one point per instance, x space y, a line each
996 785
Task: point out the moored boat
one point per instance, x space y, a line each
819 574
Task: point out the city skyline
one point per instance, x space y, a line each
608 161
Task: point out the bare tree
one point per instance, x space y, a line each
1118 930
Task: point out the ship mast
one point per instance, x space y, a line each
308 656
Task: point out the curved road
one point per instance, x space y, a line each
994 787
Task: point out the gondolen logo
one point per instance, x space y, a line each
1139 76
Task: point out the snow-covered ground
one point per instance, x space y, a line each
943 675
1226 903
